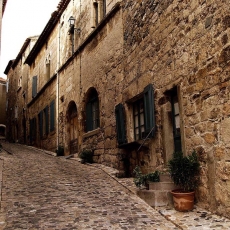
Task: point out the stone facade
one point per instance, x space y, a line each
17 94
2 107
176 43
135 81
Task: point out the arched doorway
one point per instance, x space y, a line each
72 128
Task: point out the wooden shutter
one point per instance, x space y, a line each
89 119
120 124
52 116
34 86
40 120
149 110
31 133
47 119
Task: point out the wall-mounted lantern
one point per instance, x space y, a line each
71 25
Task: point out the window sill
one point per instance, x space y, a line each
135 145
91 133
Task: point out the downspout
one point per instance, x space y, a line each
79 50
57 86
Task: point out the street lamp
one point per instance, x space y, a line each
71 21
71 25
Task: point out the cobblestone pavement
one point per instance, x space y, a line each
40 191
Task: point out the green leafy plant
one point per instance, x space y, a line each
153 177
184 171
143 179
86 156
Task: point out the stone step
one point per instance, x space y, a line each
165 178
156 198
158 193
161 186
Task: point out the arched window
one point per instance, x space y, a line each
98 12
92 111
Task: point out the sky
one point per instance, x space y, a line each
22 19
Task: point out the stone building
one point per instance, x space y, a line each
135 81
2 108
2 81
17 93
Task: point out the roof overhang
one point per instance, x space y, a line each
55 16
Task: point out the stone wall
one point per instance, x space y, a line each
172 45
185 44
97 65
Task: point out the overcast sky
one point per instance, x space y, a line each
22 19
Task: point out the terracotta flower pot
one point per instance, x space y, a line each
183 201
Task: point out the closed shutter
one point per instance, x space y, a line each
149 110
34 86
47 119
40 119
52 116
31 131
89 118
120 124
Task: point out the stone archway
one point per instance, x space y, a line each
72 128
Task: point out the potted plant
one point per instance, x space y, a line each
86 156
184 171
143 180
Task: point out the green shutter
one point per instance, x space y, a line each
47 119
34 129
149 110
89 118
31 133
52 116
40 120
34 86
120 124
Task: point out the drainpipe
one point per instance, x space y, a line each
57 86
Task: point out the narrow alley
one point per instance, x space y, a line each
44 192
41 191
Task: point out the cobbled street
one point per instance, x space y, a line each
40 191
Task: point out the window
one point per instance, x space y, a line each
92 111
176 121
120 124
33 128
52 116
143 114
139 119
47 69
34 86
143 117
46 120
40 120
20 82
16 112
99 11
43 119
